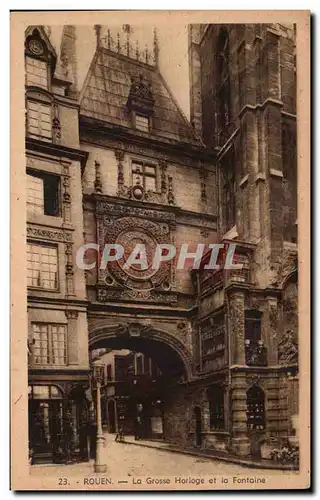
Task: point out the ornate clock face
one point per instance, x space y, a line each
131 241
130 232
36 47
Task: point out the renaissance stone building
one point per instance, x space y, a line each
116 161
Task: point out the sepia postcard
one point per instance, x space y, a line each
160 210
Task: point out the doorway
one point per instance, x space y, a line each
198 424
111 416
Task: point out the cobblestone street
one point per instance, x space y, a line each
128 460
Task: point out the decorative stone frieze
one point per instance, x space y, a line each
106 208
49 234
149 296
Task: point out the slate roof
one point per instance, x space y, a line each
105 94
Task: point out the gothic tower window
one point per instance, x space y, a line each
256 353
223 83
255 408
228 180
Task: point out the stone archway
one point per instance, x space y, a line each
168 351
174 361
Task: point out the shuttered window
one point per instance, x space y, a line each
36 73
39 120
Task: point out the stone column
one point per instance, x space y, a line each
72 317
236 331
239 441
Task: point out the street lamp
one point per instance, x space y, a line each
98 376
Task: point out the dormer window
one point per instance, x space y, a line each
142 123
141 103
37 61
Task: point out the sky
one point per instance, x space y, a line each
173 57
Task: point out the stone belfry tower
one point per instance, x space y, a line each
246 78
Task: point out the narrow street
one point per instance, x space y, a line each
128 460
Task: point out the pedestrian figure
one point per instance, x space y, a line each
120 436
138 428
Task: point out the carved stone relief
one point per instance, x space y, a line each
66 193
288 344
49 234
69 269
97 182
134 282
56 127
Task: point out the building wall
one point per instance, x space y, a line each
59 156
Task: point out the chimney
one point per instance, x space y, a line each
68 56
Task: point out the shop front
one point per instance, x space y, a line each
59 424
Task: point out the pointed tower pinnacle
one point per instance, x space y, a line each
155 47
97 29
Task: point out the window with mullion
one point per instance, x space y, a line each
35 197
145 175
42 266
43 193
50 344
